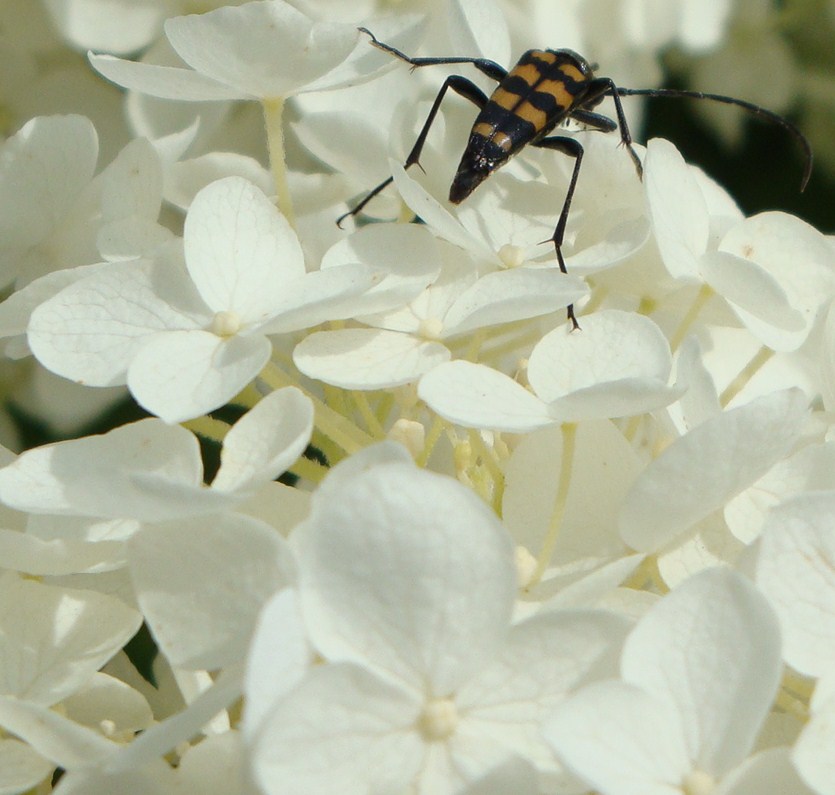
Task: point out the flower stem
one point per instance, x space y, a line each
432 437
208 428
647 577
569 434
794 695
745 375
273 112
331 423
490 466
371 422
702 297
309 470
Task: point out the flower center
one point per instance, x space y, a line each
439 719
697 782
431 328
225 324
511 256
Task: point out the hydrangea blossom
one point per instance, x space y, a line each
192 330
700 721
57 214
88 496
232 52
573 376
425 687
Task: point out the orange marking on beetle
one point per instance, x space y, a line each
502 140
544 55
573 72
484 129
505 99
531 114
558 91
528 72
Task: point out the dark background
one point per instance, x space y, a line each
763 174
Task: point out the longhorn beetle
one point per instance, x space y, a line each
543 89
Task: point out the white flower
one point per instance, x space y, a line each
508 222
187 338
702 470
55 639
603 466
55 214
406 342
794 569
145 472
94 763
153 472
52 642
699 672
201 606
407 588
812 753
617 364
812 468
260 50
377 629
747 268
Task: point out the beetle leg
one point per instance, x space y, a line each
484 65
596 121
460 85
605 87
571 147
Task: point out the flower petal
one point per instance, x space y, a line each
201 585
770 240
723 701
183 374
615 365
505 296
677 209
406 252
21 768
407 573
93 476
477 396
545 658
240 251
594 735
165 82
45 167
91 330
358 736
278 658
263 49
265 441
795 568
709 465
54 639
367 358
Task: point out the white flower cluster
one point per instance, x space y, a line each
517 558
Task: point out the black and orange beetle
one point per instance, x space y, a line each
544 89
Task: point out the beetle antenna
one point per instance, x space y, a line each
755 110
